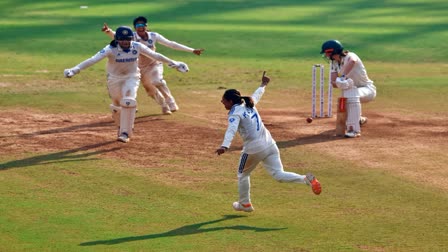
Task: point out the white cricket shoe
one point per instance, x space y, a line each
166 110
123 137
173 106
243 207
363 120
352 134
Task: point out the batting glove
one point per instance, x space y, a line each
180 66
68 73
343 83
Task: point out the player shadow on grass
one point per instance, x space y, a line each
59 157
184 230
325 136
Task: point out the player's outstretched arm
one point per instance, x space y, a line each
180 66
70 72
108 31
256 96
176 46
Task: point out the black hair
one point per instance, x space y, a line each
235 96
141 19
113 43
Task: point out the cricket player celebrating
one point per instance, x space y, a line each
258 145
123 76
349 74
152 70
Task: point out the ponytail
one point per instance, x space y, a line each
249 102
235 96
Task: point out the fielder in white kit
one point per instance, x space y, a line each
152 70
349 74
258 146
123 76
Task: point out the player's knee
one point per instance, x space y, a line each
114 109
159 82
128 102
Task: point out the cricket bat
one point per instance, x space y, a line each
341 116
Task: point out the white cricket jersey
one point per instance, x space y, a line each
358 73
153 39
247 122
123 63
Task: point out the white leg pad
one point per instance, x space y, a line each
350 93
127 115
353 114
115 114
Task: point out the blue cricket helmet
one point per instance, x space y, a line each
124 33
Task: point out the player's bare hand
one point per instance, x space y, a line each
198 51
105 28
265 79
221 150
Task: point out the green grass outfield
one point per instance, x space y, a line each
62 201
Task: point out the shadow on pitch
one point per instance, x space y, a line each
96 126
184 230
60 157
325 136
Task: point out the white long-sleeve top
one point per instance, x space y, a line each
247 122
358 73
123 63
153 39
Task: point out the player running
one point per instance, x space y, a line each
123 76
258 146
349 74
152 70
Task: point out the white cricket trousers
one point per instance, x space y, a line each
122 87
270 159
155 85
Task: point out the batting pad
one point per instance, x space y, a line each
127 115
353 114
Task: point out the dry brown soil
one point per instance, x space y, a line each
402 145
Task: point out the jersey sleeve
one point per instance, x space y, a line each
256 96
172 44
154 55
232 128
94 59
334 67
